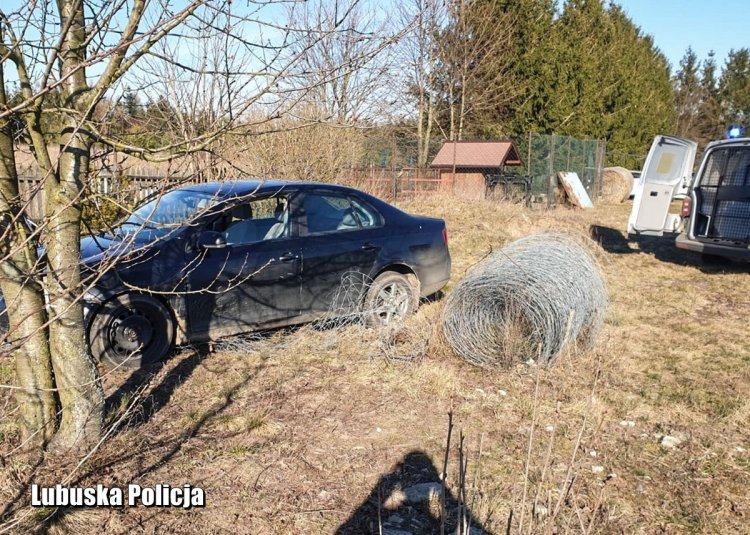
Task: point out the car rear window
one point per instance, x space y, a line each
326 213
366 214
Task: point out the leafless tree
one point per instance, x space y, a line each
226 70
474 56
418 53
345 58
299 150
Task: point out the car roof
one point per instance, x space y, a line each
730 141
241 188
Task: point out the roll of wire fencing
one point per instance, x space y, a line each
533 299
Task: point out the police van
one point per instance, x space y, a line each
714 218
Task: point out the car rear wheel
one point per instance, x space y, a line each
131 331
391 298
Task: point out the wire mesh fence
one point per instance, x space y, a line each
543 156
530 300
389 171
547 155
633 162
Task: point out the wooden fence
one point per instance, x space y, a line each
394 184
383 182
386 183
126 190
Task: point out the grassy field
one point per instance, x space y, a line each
308 431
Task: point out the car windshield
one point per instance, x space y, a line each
165 213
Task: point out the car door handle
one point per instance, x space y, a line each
288 257
367 246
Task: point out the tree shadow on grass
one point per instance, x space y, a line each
400 502
24 490
153 400
158 396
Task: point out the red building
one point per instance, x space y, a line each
463 166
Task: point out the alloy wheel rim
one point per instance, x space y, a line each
392 303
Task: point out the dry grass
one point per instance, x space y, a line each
295 432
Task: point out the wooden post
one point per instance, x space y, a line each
453 173
552 186
601 150
393 165
528 159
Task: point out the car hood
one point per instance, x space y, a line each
95 249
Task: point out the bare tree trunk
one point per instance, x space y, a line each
474 57
420 128
76 374
428 129
452 131
430 120
77 377
464 67
462 109
419 76
25 301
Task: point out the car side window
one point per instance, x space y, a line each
366 215
257 220
326 213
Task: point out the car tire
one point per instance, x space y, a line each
126 323
391 297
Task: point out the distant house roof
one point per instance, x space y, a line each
477 154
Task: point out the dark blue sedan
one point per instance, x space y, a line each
212 260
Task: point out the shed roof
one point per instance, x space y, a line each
477 154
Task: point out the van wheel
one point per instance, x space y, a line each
391 298
130 331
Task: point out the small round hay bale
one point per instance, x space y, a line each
530 300
617 183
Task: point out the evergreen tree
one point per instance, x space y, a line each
709 125
530 69
734 87
131 104
582 79
639 102
586 71
688 95
611 81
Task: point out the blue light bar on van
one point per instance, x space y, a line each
735 131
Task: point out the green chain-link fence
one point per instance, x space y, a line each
543 157
546 155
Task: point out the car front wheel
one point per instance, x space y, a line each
131 331
391 298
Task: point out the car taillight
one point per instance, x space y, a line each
445 235
687 205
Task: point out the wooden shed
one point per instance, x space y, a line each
464 166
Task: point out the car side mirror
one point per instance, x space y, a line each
210 239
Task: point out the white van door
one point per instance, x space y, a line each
666 171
